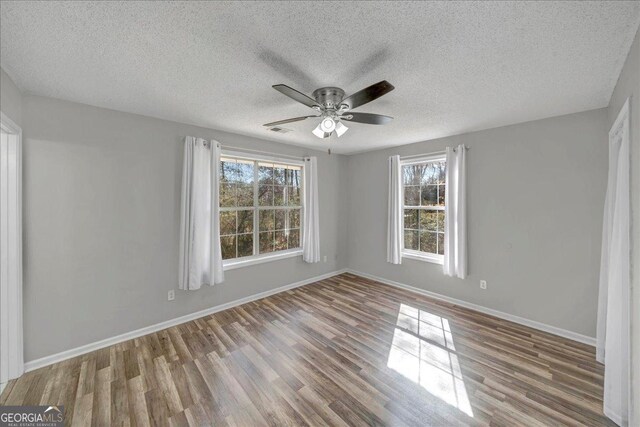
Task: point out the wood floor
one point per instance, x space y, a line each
343 351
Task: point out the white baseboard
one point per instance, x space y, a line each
613 416
68 354
505 316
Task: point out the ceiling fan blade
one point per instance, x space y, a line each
368 94
368 118
282 122
294 94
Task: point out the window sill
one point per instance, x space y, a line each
435 259
259 259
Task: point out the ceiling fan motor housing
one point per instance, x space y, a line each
329 97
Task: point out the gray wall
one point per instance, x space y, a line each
101 218
629 86
101 195
10 98
535 202
101 203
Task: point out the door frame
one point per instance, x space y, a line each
11 339
621 130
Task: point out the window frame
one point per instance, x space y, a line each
258 258
411 253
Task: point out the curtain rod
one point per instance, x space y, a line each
249 150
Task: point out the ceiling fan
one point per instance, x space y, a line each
334 108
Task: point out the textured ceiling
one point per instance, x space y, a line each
457 67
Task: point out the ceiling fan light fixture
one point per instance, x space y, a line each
328 125
341 129
319 132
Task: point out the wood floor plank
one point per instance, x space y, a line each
137 404
344 351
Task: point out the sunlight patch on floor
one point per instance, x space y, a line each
423 352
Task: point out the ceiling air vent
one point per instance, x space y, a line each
279 130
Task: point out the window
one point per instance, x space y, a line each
423 205
260 208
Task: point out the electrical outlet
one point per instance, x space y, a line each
171 295
483 284
324 259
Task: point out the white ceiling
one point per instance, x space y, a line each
457 67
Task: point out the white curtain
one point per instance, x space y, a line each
200 255
613 302
395 218
311 222
455 214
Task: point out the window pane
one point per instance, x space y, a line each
428 242
293 193
227 195
228 246
429 195
293 177
412 195
266 219
245 221
228 222
294 239
441 243
228 170
280 216
278 195
428 220
265 195
441 171
435 173
278 176
294 218
430 174
281 240
411 218
441 194
245 194
265 173
411 239
245 245
266 242
412 174
245 171
440 220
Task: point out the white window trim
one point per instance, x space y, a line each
422 256
410 253
234 263
412 160
260 157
